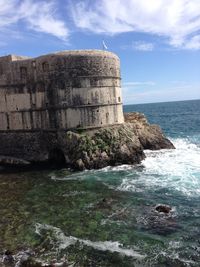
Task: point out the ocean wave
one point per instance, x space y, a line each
177 169
60 241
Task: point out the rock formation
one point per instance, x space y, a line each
150 136
98 148
119 144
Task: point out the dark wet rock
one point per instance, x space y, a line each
158 222
28 258
8 258
79 164
163 208
167 262
105 203
12 161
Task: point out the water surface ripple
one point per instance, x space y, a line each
107 217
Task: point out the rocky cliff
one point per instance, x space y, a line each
85 149
150 135
122 144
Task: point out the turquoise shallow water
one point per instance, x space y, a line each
107 217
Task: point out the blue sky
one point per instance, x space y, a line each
158 41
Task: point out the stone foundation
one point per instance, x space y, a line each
86 149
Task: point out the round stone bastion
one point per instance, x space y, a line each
63 90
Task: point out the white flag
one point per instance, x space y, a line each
104 46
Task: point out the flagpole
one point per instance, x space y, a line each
104 45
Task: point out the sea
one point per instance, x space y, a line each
108 217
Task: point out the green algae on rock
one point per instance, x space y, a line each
114 145
103 147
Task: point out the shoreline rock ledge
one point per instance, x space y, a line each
114 145
93 148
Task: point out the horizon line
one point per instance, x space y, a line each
146 103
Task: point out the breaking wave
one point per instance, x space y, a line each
177 169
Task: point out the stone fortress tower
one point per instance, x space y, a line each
60 91
42 99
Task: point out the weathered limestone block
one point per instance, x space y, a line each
150 136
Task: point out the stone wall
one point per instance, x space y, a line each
32 146
69 89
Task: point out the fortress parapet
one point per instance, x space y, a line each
60 91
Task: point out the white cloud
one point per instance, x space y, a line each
142 46
38 16
176 20
139 46
193 43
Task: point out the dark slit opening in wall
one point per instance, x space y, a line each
56 157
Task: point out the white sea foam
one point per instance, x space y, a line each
65 176
57 177
117 168
173 251
177 169
61 241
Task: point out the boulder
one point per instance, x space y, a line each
113 145
150 136
94 149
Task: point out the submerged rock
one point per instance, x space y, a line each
105 203
8 258
160 219
28 258
167 262
163 208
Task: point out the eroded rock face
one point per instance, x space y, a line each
108 146
150 136
91 148
114 145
